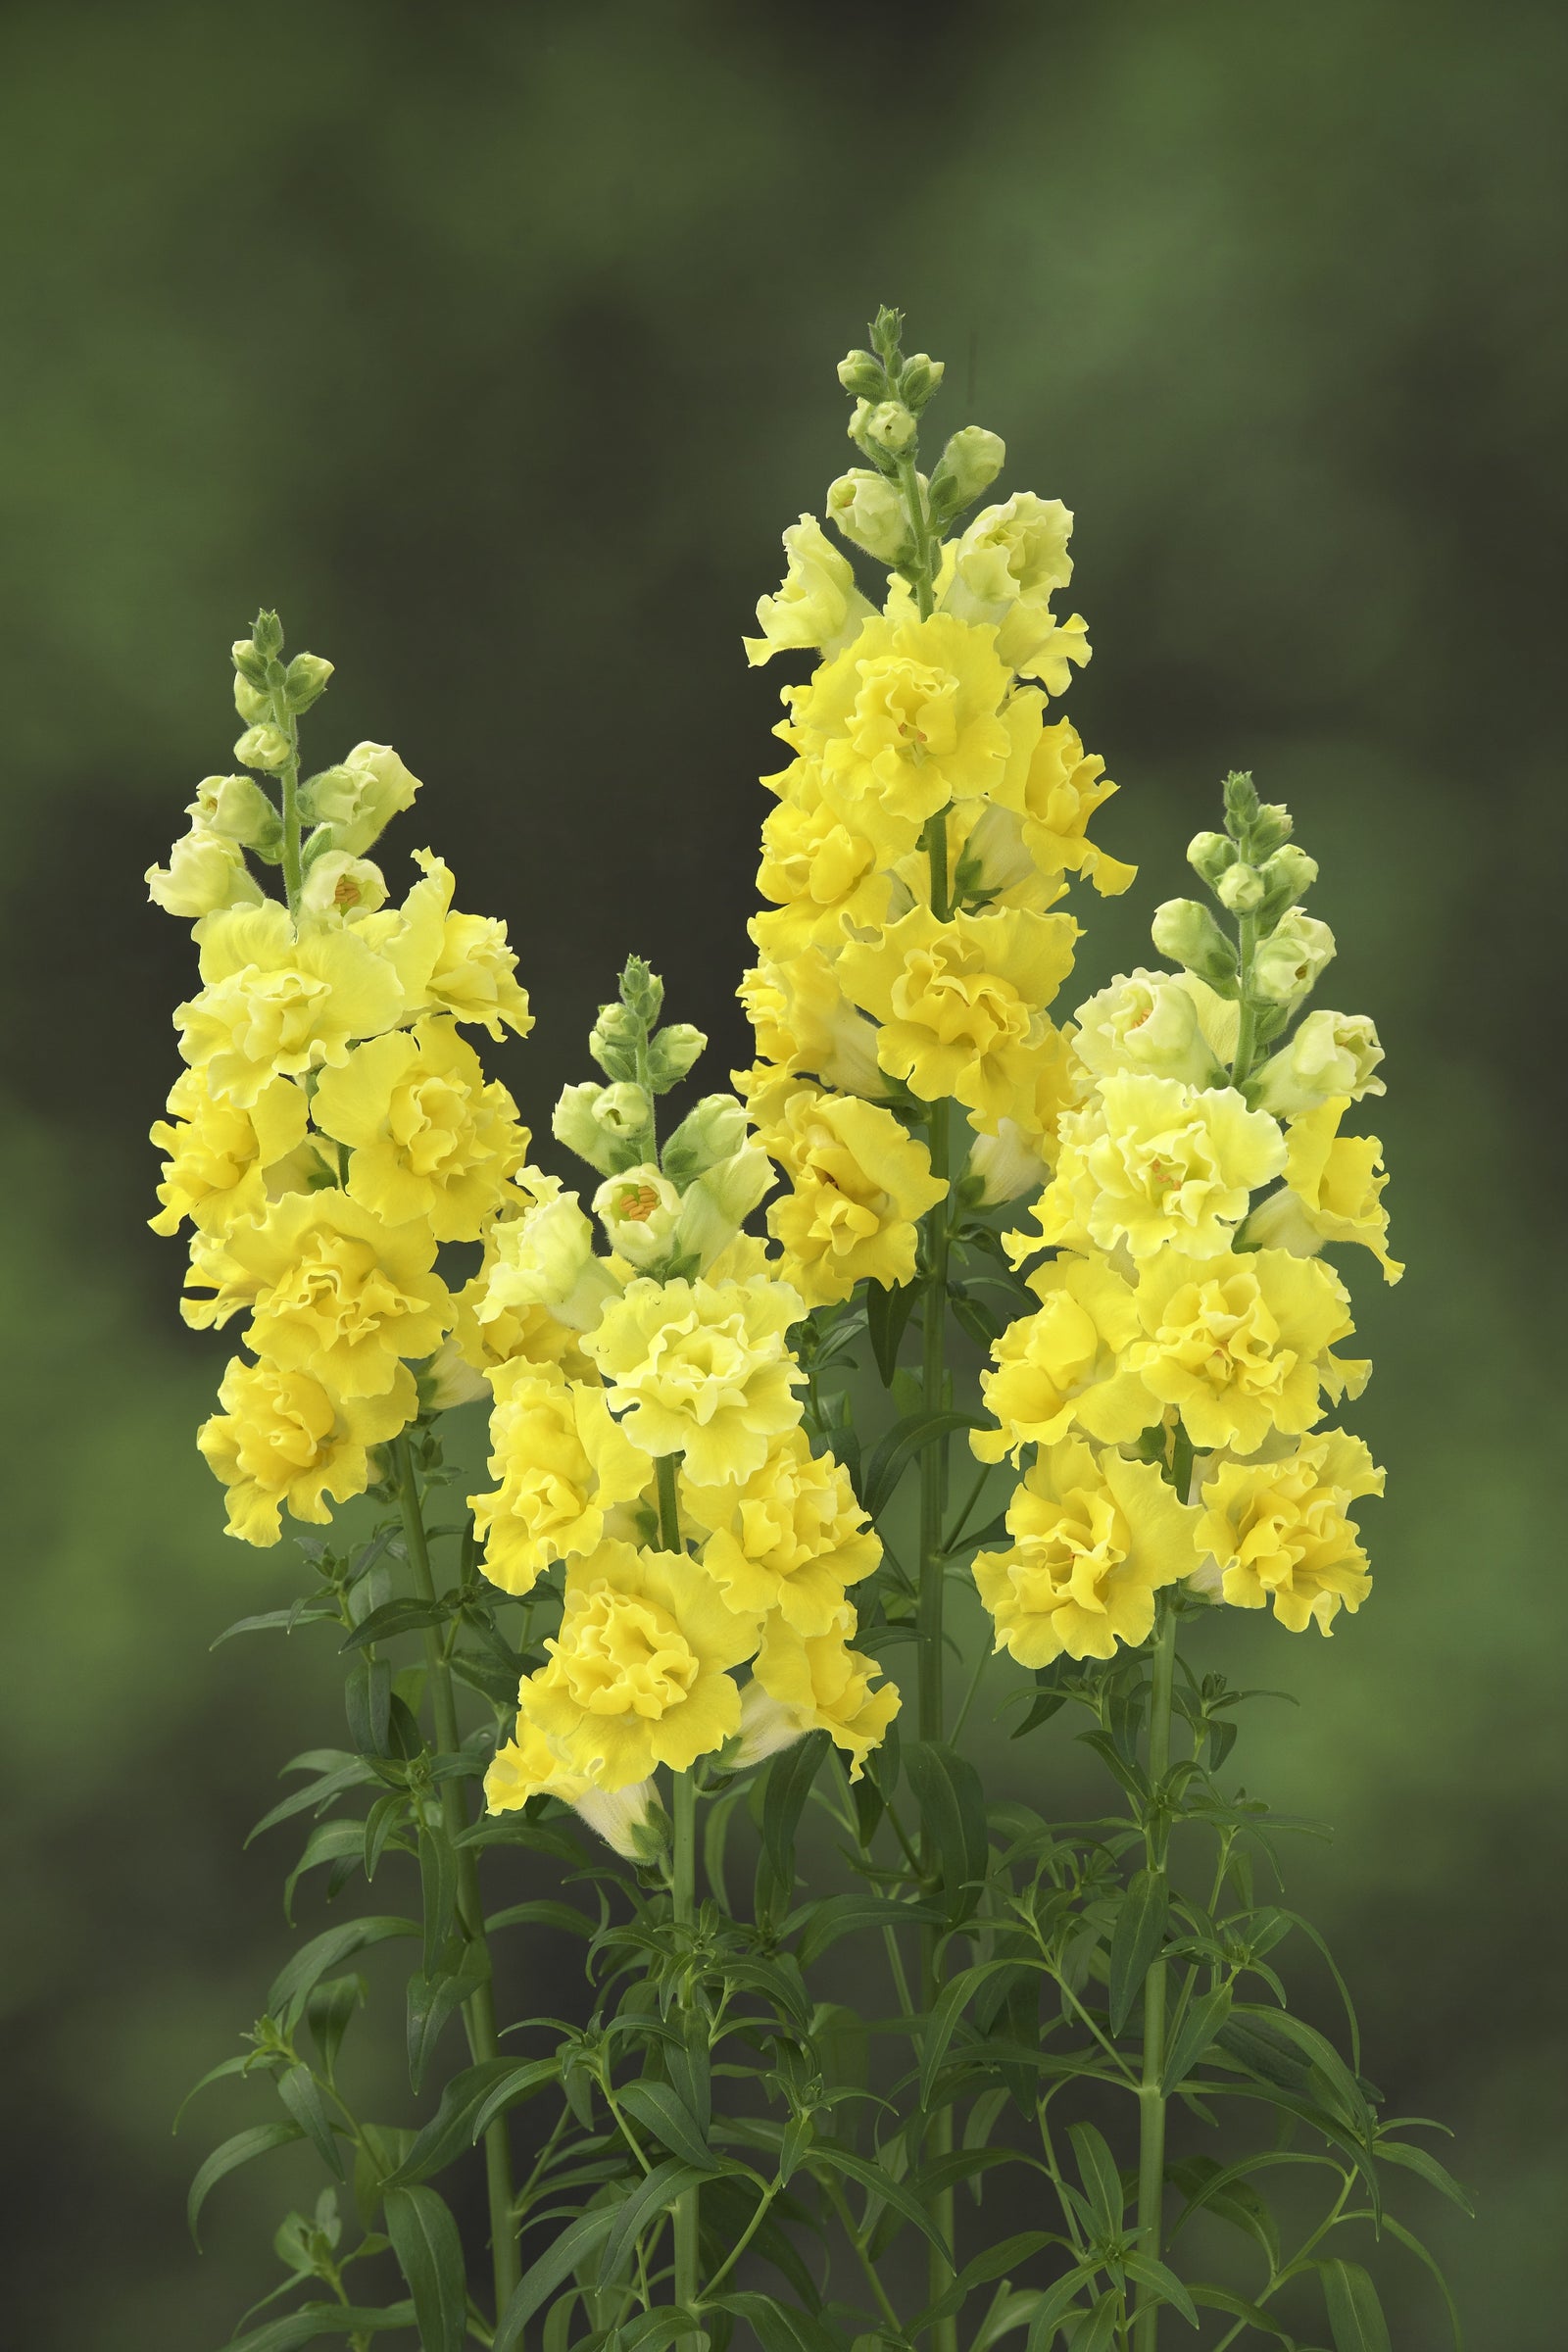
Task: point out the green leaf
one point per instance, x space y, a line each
906 1436
328 1841
1098 2171
1426 2167
429 2253
1139 1933
882 2187
661 2111
1152 2272
574 2246
1221 2298
887 1319
1197 2028
396 1617
367 1704
438 1883
276 1621
823 1923
1356 2316
788 1785
951 2004
651 2331
993 2264
653 2196
317 1795
1054 2305
951 1800
470 2102
777 2327
1208 2189
301 2094
230 2157
432 2001
327 2012
1408 2238
321 2319
541 1915
296 1977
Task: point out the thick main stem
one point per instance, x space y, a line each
479 2009
1150 2098
683 1892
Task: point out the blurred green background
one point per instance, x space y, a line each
494 345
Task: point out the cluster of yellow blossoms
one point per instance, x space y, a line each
1180 1316
332 1128
659 1462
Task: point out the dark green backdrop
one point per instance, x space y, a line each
494 345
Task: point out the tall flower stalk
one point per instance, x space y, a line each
740 1492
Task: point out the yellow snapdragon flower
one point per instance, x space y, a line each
821 1685
639 1674
702 1369
331 1291
281 1442
276 1003
1054 787
1279 1532
1095 1535
1333 1191
563 1465
430 1138
818 602
542 1256
859 1181
789 1537
1054 1366
820 872
960 1003
803 1021
906 718
220 1157
206 871
455 963
1239 1345
527 1765
1149 1162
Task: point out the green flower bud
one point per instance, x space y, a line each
642 991
237 807
714 1129
264 747
863 375
1272 824
1210 854
968 466
1288 876
717 1204
266 635
889 425
359 797
1187 932
670 1054
1240 889
603 1147
249 661
920 381
1288 963
253 703
1241 802
305 680
869 514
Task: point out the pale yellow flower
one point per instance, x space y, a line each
789 1537
1094 1539
701 1369
331 1290
1053 1367
430 1138
1149 1162
962 1003
1279 1530
859 1181
281 1442
272 1002
1333 1191
819 871
638 1675
455 963
824 1685
1054 786
818 602
527 1765
220 1157
563 1463
805 1022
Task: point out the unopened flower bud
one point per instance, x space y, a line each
717 1204
1146 1023
714 1129
1288 963
670 1054
968 466
205 871
642 992
237 807
889 425
869 513
1006 1165
606 1144
1185 931
1210 854
1331 1054
1287 877
631 1820
863 374
919 379
1272 825
264 747
249 659
253 705
359 797
305 680
1240 889
266 635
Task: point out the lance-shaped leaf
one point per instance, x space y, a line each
432 2000
1197 2028
951 1800
301 2094
663 2112
297 1977
1356 2316
430 2254
576 2246
1139 1932
230 2157
317 2320
469 2103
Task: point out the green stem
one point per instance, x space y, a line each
288 775
1151 2100
479 2009
1246 1017
921 566
683 1890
